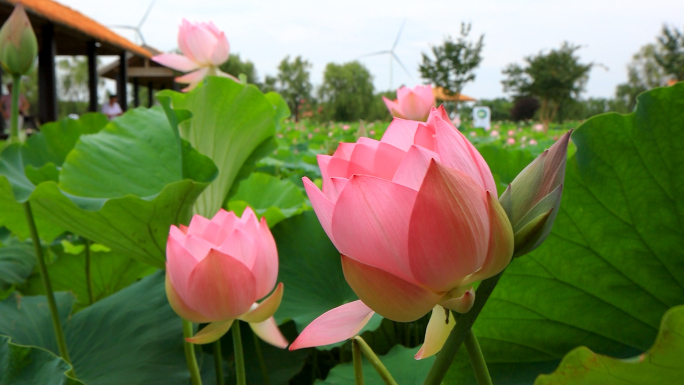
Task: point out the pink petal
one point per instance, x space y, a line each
265 266
437 332
176 62
425 93
211 332
413 106
201 42
241 246
393 107
260 312
221 50
179 264
333 188
401 133
449 229
192 78
425 137
179 306
221 287
370 223
204 228
500 249
183 32
321 205
344 150
338 324
371 157
413 167
387 294
269 332
458 153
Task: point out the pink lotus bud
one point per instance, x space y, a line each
511 141
416 219
412 104
18 44
204 48
532 200
217 269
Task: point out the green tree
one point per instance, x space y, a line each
454 62
292 82
643 73
670 54
554 78
235 66
347 91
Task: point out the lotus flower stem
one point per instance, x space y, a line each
260 356
14 117
190 354
460 332
477 360
218 362
54 314
358 367
89 280
375 361
239 355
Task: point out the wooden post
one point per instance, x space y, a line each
47 80
150 96
121 93
136 93
92 75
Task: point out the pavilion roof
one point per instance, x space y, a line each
72 28
441 95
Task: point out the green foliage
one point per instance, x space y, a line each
16 264
643 73
612 265
230 123
662 364
293 83
131 337
671 55
31 366
269 196
109 273
346 92
399 362
553 78
454 62
236 67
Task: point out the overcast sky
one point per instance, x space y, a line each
265 31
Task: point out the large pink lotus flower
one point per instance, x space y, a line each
216 270
416 219
412 104
204 48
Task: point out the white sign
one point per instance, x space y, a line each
482 117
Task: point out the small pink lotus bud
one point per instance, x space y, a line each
533 198
18 44
411 104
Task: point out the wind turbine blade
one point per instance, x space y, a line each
398 35
149 8
123 27
402 65
375 53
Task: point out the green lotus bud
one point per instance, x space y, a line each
533 198
18 44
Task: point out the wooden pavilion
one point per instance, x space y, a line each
441 95
63 31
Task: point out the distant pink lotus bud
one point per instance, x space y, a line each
533 142
494 133
416 219
538 127
18 44
204 48
533 198
510 141
217 269
511 132
412 104
345 127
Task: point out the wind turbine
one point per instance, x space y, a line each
392 55
136 29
